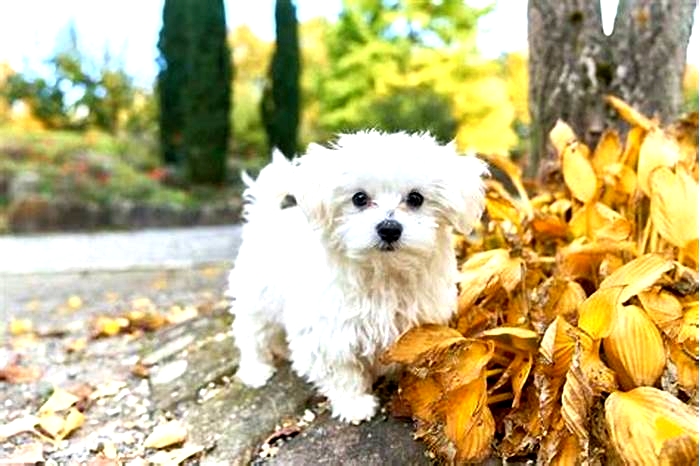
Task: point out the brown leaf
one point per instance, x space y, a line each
456 365
165 435
14 373
468 421
634 348
686 368
414 343
519 379
422 395
649 426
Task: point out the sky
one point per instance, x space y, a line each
128 29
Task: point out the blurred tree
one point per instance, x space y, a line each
573 64
251 57
194 87
207 102
171 83
280 103
383 52
78 94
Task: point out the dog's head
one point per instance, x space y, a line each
372 192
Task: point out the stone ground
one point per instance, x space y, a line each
58 288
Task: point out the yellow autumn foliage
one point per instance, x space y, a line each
576 335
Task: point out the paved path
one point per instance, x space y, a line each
156 248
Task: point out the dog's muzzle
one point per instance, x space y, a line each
389 230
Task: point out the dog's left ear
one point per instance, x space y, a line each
464 191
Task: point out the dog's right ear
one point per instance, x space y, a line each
313 189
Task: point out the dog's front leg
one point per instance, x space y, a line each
347 383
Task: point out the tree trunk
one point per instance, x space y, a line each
573 65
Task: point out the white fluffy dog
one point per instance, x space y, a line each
364 255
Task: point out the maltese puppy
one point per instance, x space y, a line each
343 250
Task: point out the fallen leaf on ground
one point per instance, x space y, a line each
14 373
165 435
109 388
17 426
176 456
21 326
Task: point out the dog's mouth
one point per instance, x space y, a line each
383 246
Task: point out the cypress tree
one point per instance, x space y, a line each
280 104
208 93
172 44
194 86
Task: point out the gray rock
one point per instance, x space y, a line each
381 441
238 419
189 357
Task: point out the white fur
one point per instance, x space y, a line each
311 283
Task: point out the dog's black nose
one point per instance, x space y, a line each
389 230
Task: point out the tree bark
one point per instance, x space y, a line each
573 65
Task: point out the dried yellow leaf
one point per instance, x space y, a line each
578 172
519 338
657 150
608 151
597 314
165 435
638 275
557 347
519 378
73 420
664 309
561 136
635 136
481 269
459 364
629 114
674 205
418 340
648 426
621 178
604 224
634 348
60 400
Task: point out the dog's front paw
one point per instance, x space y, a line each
256 374
355 409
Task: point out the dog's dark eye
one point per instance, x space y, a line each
360 199
414 199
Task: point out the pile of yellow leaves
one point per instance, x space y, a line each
576 337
